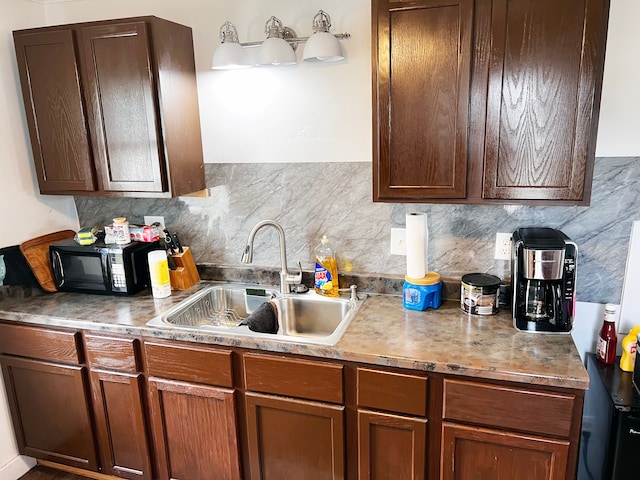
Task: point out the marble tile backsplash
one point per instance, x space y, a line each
309 200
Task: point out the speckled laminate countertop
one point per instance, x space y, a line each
445 340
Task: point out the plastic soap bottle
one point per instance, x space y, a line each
629 343
607 340
326 275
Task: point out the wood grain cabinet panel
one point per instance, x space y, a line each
113 352
543 98
119 82
508 407
391 446
470 453
195 431
291 438
191 364
112 107
41 343
55 111
122 430
395 392
422 73
287 376
50 411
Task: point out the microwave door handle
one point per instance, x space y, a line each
57 268
106 271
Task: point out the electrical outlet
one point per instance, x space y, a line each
398 241
503 246
150 219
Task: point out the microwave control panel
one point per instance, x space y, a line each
118 277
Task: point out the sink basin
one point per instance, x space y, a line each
305 318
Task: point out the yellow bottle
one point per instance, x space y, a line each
326 275
628 358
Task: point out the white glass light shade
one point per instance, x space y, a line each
322 47
276 51
228 56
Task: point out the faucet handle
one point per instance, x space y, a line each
295 278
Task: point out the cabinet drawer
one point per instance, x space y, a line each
41 343
395 392
507 407
113 353
292 377
191 364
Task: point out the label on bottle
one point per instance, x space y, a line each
601 349
323 280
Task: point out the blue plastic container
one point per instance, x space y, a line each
422 293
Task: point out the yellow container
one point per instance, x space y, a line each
326 271
629 343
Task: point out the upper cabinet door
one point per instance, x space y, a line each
422 74
54 108
119 82
545 71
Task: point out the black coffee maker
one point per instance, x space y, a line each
543 277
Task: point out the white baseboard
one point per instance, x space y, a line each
14 469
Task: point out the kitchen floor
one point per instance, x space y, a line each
45 473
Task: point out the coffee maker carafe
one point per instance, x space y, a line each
543 277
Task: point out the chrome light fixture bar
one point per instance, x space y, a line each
278 48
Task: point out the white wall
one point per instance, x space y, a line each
618 131
301 113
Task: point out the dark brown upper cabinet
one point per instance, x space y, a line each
112 107
486 101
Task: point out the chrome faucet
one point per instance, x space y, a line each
286 278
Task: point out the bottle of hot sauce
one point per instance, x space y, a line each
607 340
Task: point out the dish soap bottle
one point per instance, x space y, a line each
607 340
326 275
629 342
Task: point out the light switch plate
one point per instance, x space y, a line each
398 241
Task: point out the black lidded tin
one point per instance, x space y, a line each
479 293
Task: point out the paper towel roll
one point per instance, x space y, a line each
417 243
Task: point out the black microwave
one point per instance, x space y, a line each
100 268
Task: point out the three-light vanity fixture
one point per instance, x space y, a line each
278 48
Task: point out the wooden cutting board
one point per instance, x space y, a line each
36 252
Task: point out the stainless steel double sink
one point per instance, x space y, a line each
305 318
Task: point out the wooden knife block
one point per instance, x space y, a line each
186 274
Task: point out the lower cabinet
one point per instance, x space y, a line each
159 409
118 391
195 431
391 446
473 453
295 417
48 393
118 401
50 413
392 442
291 438
193 412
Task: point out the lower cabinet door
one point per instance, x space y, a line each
294 439
472 453
391 446
195 432
121 425
50 411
